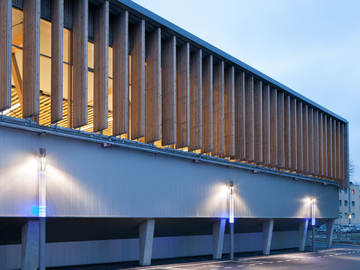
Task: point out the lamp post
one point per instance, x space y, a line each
42 207
313 222
231 219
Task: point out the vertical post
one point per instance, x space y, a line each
42 208
313 222
303 227
146 237
231 219
240 119
249 128
218 238
5 54
218 109
30 245
207 105
329 232
229 112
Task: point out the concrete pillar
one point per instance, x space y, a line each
30 245
146 237
329 232
218 238
303 227
267 236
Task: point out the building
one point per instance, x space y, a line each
349 203
120 134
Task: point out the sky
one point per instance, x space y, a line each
311 46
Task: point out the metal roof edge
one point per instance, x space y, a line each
151 15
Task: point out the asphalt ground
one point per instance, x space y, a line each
340 256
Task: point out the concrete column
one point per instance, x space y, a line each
267 236
146 237
218 238
329 232
30 245
303 227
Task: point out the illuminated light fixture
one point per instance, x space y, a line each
350 216
42 183
231 203
17 105
312 211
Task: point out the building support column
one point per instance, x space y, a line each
30 245
329 232
146 237
267 236
303 227
218 238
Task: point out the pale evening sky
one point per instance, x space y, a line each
311 46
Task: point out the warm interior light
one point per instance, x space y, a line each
231 203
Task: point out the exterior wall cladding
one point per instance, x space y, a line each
115 166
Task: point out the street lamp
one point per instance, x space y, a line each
231 219
42 207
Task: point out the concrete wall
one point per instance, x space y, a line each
84 179
91 252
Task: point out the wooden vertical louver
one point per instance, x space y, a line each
287 132
121 74
5 54
266 124
207 105
281 130
293 131
153 86
31 58
321 144
218 110
316 142
273 128
137 52
325 146
240 120
57 51
80 62
305 142
196 101
168 91
229 112
101 66
183 96
311 145
299 129
258 143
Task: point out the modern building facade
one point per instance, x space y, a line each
349 205
120 134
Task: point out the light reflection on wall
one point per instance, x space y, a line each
305 208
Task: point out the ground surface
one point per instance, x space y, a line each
338 257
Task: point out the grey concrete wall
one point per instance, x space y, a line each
90 252
84 179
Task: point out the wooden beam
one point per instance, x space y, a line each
80 63
305 128
338 150
273 128
281 129
249 109
330 147
300 140
57 51
207 104
311 145
183 96
258 142
325 145
218 110
266 124
168 79
240 134
121 74
5 54
229 96
342 152
196 100
334 150
137 51
31 58
287 132
316 142
321 144
153 86
101 67
293 127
